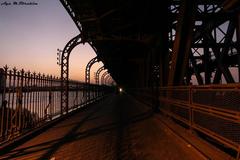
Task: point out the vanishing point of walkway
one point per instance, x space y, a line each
117 128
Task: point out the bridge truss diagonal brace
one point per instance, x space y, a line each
182 43
221 67
65 71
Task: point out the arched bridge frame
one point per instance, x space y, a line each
103 76
107 79
88 76
65 71
88 69
98 74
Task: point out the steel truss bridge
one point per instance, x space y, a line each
181 57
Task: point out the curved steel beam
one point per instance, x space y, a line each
110 81
71 13
88 69
87 76
98 74
65 71
107 79
103 76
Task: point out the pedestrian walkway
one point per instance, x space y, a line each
117 128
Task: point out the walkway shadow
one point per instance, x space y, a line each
72 135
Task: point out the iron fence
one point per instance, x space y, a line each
29 100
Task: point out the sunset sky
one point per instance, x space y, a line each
31 35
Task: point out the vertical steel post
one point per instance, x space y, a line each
3 77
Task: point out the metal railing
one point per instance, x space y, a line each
29 100
210 109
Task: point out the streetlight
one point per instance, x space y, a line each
59 54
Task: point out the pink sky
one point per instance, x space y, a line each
30 36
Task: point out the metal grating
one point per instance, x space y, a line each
225 128
225 99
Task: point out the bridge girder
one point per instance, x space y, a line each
129 40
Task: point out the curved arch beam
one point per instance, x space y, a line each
98 74
107 78
65 71
87 76
88 69
103 77
110 81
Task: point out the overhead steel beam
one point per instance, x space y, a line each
94 18
230 4
70 11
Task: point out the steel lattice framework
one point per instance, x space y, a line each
203 40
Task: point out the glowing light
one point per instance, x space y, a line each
120 90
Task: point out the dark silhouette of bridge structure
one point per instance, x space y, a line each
169 87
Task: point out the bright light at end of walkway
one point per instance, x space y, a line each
120 90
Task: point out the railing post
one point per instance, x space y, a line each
3 108
21 117
49 106
2 80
